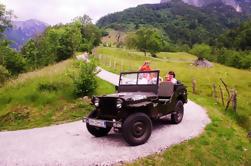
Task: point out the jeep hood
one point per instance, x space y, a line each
133 96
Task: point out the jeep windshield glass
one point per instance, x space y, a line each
144 78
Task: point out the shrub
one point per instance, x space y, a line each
4 74
84 78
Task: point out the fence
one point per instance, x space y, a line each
218 94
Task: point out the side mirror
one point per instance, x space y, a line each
116 88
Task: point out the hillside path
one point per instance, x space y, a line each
71 144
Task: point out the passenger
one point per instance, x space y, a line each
171 77
145 66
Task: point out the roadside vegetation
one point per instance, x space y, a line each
44 97
224 141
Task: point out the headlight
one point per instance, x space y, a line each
119 103
96 102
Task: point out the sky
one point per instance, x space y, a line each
63 11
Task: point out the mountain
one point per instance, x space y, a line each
22 31
236 4
182 23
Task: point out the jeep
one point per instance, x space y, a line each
140 99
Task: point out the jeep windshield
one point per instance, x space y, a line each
139 78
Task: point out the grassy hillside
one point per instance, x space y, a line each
42 98
181 64
224 142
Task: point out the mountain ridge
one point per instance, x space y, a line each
183 23
22 31
236 4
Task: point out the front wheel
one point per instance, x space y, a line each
137 129
97 131
177 116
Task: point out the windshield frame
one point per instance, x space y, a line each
137 81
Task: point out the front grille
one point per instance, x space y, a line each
107 106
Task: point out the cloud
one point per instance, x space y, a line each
56 11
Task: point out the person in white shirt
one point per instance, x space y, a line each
170 77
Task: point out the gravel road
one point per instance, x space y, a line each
71 144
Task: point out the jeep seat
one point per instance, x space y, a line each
165 91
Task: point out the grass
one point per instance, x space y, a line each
224 141
205 77
42 98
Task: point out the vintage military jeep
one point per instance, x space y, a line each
140 98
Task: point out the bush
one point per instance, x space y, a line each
202 51
85 47
84 78
4 74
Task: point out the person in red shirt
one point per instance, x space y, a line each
145 67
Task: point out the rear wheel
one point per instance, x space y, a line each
177 116
97 131
137 129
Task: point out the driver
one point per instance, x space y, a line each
145 66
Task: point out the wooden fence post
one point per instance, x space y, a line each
110 63
114 64
222 96
214 93
234 100
194 86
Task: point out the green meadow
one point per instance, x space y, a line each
224 141
115 59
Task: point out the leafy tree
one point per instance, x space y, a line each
31 54
5 19
84 20
11 60
146 40
91 37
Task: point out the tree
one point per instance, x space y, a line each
5 19
31 54
84 20
146 40
202 51
11 60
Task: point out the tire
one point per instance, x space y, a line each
137 129
97 131
177 116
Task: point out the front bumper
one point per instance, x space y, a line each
108 123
